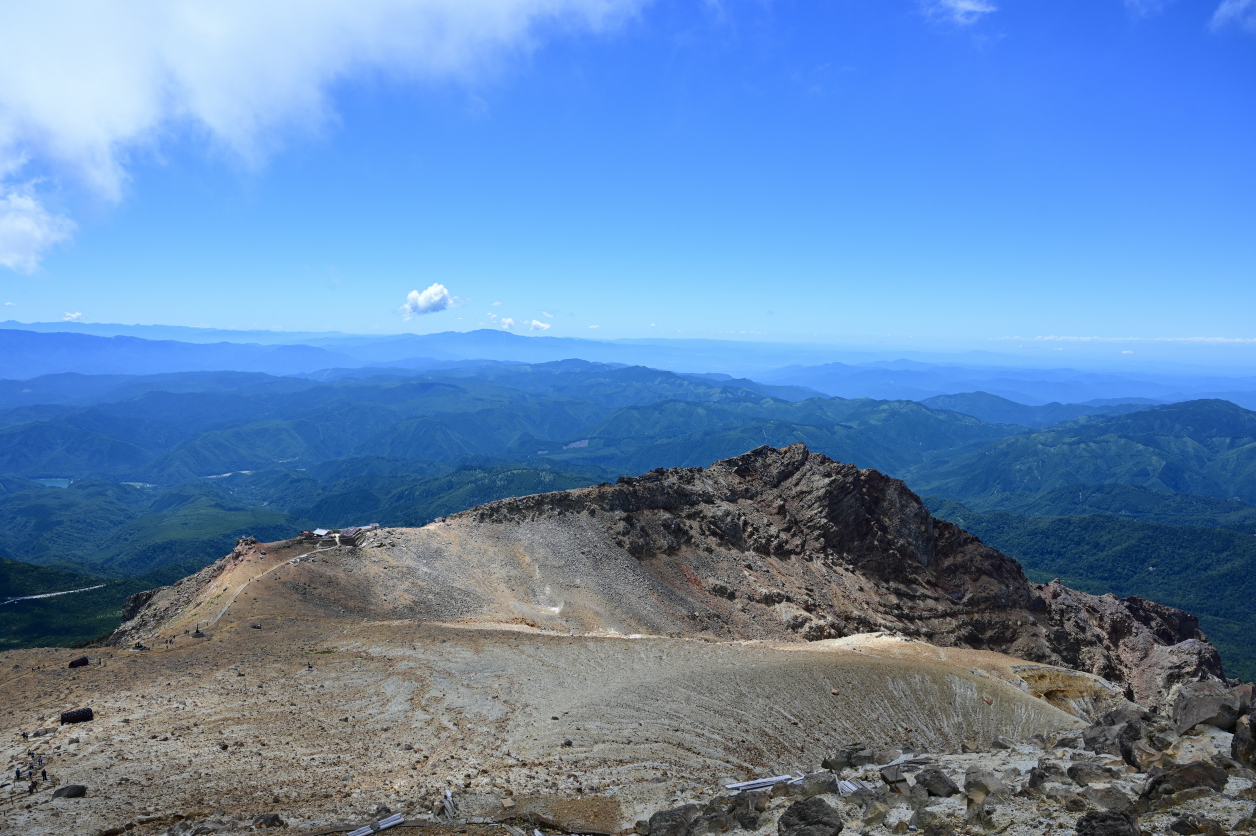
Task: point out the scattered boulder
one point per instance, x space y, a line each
1001 742
70 791
863 757
1108 823
748 806
78 715
1084 773
809 817
80 662
1071 800
674 822
1214 703
1108 797
936 783
818 783
1191 825
895 779
1243 746
1174 779
269 820
1046 772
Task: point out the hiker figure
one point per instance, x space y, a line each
309 666
25 736
17 776
31 788
43 773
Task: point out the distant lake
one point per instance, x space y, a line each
54 483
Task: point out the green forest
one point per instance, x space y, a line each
136 481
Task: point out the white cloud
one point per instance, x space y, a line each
546 313
1238 12
27 229
960 12
85 86
595 326
10 304
73 317
435 298
538 325
507 322
495 304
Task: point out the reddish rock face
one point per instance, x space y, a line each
791 542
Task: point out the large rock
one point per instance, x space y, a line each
1174 779
1084 773
1044 773
1108 797
1108 823
70 791
674 822
809 817
1195 825
1243 745
936 783
1214 703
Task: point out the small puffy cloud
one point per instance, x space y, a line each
495 304
77 316
1240 13
538 325
595 326
435 298
507 322
959 12
10 304
27 229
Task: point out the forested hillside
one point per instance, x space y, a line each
164 472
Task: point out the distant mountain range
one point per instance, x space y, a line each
168 467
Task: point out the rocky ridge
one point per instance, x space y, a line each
781 542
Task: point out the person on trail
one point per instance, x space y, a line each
17 776
43 773
31 788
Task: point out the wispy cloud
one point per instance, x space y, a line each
83 86
435 298
77 316
10 304
496 304
959 12
538 325
27 228
546 313
595 326
1240 13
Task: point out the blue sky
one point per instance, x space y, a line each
937 173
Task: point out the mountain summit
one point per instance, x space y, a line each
777 544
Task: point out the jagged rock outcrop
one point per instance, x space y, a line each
827 550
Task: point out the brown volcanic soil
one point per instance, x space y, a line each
664 621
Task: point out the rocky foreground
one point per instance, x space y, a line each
609 660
